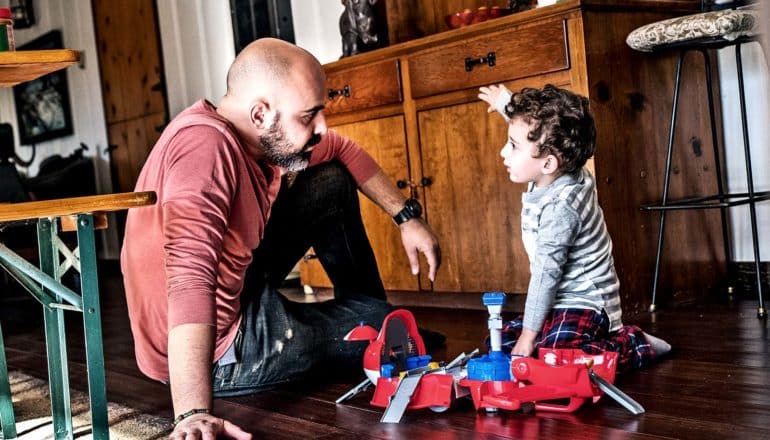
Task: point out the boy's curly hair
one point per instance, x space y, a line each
562 122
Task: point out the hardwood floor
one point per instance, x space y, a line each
714 385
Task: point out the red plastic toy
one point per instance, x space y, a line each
560 374
400 348
396 362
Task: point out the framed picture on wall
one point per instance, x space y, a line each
43 105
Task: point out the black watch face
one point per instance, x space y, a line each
414 207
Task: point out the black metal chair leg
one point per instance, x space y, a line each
667 178
761 312
717 159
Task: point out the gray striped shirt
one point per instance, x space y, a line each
570 251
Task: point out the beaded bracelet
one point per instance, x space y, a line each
192 412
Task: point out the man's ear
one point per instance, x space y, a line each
551 164
259 113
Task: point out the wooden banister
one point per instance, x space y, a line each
75 205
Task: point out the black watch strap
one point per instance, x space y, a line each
412 209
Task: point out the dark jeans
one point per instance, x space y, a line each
281 341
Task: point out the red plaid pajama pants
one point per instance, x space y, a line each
587 330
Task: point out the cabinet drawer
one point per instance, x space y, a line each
516 54
363 87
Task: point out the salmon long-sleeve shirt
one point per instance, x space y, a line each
184 258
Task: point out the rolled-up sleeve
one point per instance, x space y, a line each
198 188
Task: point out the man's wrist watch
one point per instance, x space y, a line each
412 209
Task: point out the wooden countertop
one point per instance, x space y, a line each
26 65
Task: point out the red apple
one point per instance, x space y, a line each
466 16
454 21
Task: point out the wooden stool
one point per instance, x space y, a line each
83 215
702 32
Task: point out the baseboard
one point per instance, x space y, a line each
451 300
744 277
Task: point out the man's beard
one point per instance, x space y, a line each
280 151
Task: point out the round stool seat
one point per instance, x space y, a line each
715 26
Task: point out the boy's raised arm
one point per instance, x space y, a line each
497 96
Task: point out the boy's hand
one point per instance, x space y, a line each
525 345
491 95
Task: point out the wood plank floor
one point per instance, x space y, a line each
715 385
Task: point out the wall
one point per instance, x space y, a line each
198 47
316 28
73 18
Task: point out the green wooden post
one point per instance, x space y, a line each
56 344
7 420
92 323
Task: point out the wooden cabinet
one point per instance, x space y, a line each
384 139
353 89
438 129
490 58
471 204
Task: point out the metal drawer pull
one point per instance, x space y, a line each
345 91
489 60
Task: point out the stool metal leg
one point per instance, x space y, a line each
717 158
56 344
666 179
7 420
92 324
761 312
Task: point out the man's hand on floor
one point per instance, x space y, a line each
207 427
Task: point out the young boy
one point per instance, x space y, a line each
573 296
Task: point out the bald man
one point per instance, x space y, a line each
201 267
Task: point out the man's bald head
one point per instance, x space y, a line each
275 100
268 62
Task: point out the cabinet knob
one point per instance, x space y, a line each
490 60
401 183
426 181
333 93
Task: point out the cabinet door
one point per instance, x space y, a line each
129 59
132 83
472 205
385 140
131 142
